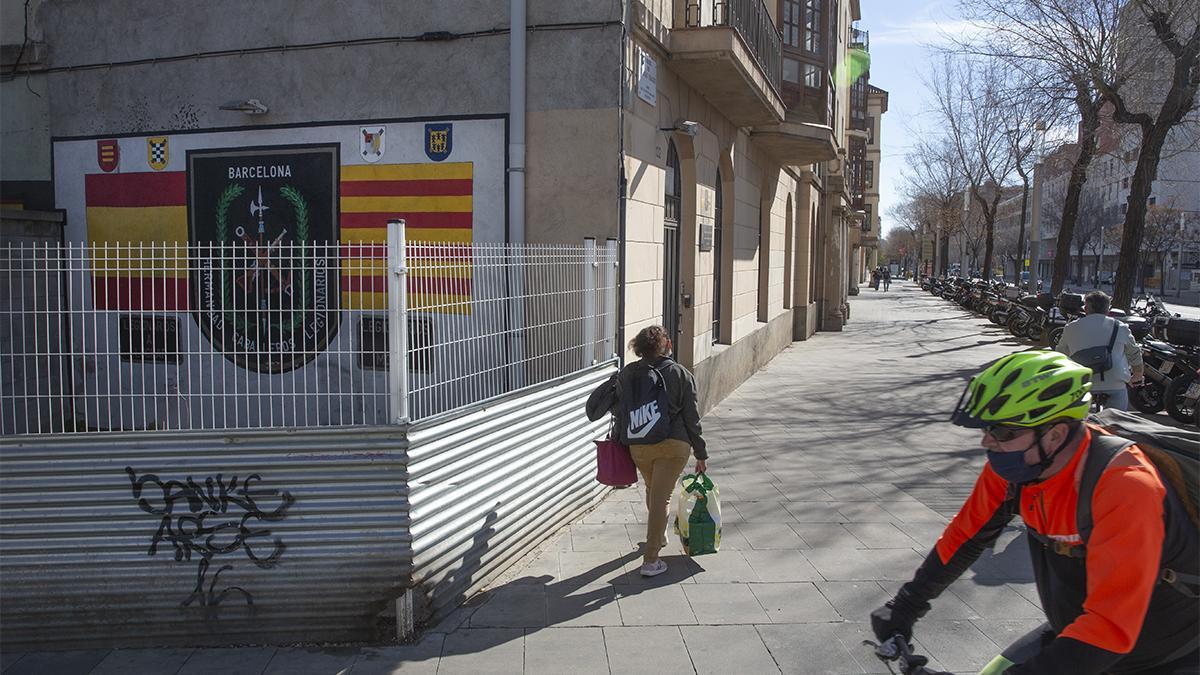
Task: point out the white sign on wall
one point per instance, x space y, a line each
647 77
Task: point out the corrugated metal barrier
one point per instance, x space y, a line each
202 538
489 483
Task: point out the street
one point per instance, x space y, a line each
837 471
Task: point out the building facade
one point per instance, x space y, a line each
731 148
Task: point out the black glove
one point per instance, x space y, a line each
894 617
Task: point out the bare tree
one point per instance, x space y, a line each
932 192
969 95
1045 41
1126 79
1160 239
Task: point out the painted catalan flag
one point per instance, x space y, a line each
137 234
435 201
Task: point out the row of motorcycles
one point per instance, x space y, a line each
1170 344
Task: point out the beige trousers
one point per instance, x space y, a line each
660 464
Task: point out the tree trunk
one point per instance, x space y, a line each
1021 232
1140 186
1089 109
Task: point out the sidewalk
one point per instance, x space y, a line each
837 472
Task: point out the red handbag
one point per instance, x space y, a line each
614 464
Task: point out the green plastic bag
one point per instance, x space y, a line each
698 515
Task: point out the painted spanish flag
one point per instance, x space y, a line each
435 201
137 235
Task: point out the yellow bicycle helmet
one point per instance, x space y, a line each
1026 389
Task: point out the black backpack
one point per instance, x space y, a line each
1175 453
646 407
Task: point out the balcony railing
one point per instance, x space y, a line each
752 22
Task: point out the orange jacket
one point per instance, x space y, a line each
1108 610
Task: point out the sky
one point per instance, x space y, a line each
901 31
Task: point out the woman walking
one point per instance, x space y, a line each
661 463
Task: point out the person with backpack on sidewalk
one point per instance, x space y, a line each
1099 339
1112 535
657 415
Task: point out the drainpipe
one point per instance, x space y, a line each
516 122
622 179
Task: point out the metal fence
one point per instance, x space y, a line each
253 334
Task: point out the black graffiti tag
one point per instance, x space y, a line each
212 519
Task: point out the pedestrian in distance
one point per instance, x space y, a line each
887 277
1119 596
875 279
1095 329
660 462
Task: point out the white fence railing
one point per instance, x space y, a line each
244 335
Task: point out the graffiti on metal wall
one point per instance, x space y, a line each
217 517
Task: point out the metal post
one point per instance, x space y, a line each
610 298
1035 218
1179 261
590 272
397 324
1100 262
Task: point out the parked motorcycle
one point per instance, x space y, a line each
1182 395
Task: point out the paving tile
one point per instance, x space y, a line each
1004 632
863 512
781 565
762 512
727 649
720 604
754 490
815 648
72 662
542 568
914 512
615 512
647 649
557 650
1027 590
959 646
723 567
419 658
588 606
654 606
895 563
844 564
798 602
483 650
853 600
848 492
826 535
995 602
580 568
731 537
802 492
311 660
600 537
858 641
947 606
514 606
880 535
228 660
925 533
762 536
814 512
129 661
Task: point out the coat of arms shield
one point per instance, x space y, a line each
371 143
439 141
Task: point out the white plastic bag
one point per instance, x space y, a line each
698 515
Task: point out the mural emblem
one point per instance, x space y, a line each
157 152
439 141
108 154
264 226
371 144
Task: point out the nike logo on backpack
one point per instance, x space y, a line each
642 420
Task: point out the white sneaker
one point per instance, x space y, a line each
654 569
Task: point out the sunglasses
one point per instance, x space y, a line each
1004 434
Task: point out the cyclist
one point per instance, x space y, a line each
1106 609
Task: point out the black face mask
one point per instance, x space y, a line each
1012 468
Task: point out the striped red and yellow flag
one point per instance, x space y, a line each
137 235
435 201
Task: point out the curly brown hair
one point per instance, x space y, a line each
650 342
